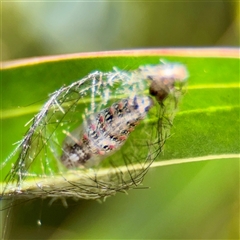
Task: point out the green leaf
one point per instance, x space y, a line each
205 128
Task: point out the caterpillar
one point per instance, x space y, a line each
105 132
121 116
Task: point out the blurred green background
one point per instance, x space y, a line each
47 28
189 201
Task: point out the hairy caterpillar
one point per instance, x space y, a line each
93 119
104 132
